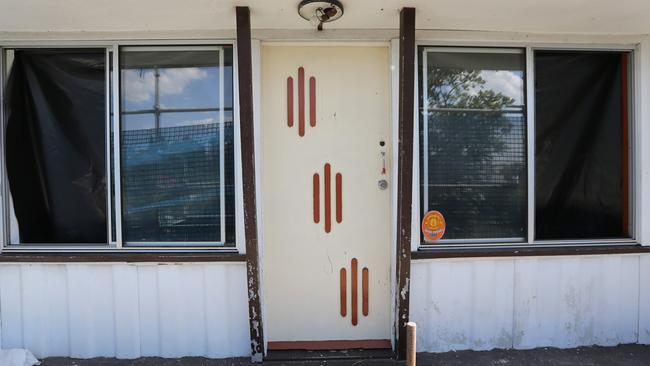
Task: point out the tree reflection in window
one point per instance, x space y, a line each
473 156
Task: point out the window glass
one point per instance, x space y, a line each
177 146
473 142
581 145
55 145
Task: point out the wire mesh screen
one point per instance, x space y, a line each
473 142
171 183
477 172
177 173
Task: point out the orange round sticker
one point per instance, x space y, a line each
433 226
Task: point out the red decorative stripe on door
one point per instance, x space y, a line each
327 197
364 291
343 293
301 102
354 288
339 198
316 189
312 101
290 101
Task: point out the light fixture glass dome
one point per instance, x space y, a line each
318 12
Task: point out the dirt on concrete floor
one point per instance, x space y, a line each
623 355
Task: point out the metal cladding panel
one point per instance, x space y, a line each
125 310
644 300
462 304
564 302
575 301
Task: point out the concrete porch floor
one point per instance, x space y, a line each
623 355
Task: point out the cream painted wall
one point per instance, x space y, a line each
549 16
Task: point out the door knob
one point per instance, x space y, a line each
383 184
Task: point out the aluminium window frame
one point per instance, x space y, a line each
221 112
7 215
425 113
117 244
529 82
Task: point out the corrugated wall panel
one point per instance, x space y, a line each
462 304
573 301
124 310
237 338
11 308
182 311
644 300
45 309
530 302
127 316
90 310
149 324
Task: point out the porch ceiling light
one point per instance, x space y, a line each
318 12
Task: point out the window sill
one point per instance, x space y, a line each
78 257
528 252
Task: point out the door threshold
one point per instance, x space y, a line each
329 345
322 350
319 355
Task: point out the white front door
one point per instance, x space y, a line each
325 150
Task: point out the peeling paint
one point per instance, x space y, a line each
405 289
257 357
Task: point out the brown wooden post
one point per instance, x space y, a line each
405 171
245 73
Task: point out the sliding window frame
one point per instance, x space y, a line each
239 245
115 162
3 182
422 204
221 245
530 143
116 245
632 122
529 94
5 195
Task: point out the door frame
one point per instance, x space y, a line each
393 77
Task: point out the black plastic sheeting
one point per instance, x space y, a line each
55 145
579 146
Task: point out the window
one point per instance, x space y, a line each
581 145
475 159
162 174
473 142
177 152
54 145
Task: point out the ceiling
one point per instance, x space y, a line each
531 16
